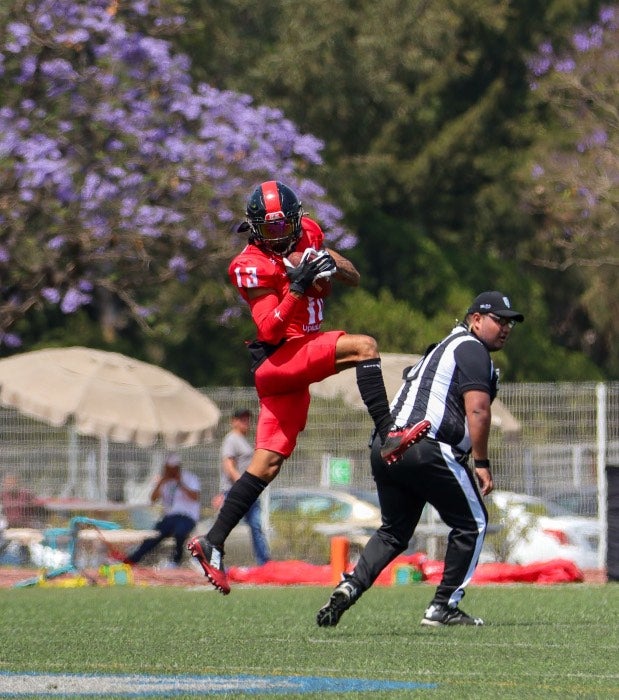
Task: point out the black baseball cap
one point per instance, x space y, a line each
242 413
494 303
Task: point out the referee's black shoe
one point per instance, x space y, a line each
344 595
438 615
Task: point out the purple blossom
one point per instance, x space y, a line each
149 215
146 231
128 206
540 65
566 65
607 15
58 69
73 300
145 311
177 264
107 81
584 41
123 158
169 21
11 340
91 183
309 147
132 180
19 37
97 224
196 239
597 139
226 215
581 42
346 241
183 188
588 196
44 22
65 192
56 242
140 7
545 48
50 294
597 35
115 145
75 36
28 69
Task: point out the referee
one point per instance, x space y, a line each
452 386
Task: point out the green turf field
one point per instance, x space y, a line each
538 642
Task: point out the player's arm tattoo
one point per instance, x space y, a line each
346 272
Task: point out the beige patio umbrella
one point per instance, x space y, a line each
107 395
344 385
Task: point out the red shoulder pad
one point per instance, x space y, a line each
312 236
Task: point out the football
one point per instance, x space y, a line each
319 289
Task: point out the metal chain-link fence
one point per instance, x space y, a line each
555 447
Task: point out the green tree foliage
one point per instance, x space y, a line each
427 115
571 185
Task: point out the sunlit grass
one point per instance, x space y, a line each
538 642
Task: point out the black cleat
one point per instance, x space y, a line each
442 615
344 595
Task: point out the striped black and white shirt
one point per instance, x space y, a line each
434 388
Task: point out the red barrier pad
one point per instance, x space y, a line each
295 572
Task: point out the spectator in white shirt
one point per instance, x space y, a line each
179 493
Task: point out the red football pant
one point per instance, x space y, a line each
282 382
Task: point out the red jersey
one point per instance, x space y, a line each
254 268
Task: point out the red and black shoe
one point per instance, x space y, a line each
398 440
212 562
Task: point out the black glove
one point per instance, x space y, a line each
309 270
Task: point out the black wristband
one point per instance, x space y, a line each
482 463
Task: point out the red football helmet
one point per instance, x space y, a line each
274 216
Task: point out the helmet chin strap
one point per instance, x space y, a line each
288 249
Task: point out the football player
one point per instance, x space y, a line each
291 352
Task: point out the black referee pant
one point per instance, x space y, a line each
428 473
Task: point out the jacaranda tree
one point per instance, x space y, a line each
120 180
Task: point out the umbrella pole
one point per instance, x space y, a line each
69 486
103 468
